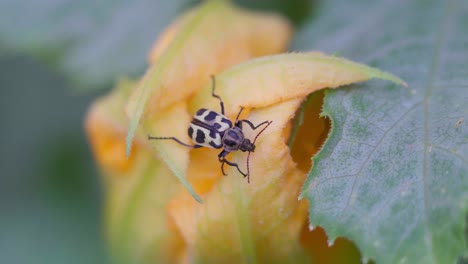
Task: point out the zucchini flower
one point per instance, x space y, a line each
168 203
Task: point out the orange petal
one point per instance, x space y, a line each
270 80
204 42
260 221
310 131
172 122
105 125
209 39
137 190
265 81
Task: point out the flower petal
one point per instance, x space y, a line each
105 124
209 39
135 212
259 221
203 42
267 80
172 122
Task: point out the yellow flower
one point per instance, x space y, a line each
150 216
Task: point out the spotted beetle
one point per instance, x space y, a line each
211 129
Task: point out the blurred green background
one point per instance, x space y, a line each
50 195
56 56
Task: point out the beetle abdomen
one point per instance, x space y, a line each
213 119
207 128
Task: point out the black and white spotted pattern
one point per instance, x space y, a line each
207 128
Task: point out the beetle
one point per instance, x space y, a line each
212 129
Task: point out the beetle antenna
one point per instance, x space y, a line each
248 155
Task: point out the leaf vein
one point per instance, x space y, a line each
390 196
357 142
391 46
334 178
450 152
375 148
434 67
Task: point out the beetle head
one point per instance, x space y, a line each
247 145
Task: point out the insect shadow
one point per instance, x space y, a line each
211 129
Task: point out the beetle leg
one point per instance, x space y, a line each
176 140
222 159
215 95
234 165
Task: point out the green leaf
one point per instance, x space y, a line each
393 174
92 43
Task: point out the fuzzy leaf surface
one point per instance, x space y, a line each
393 174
